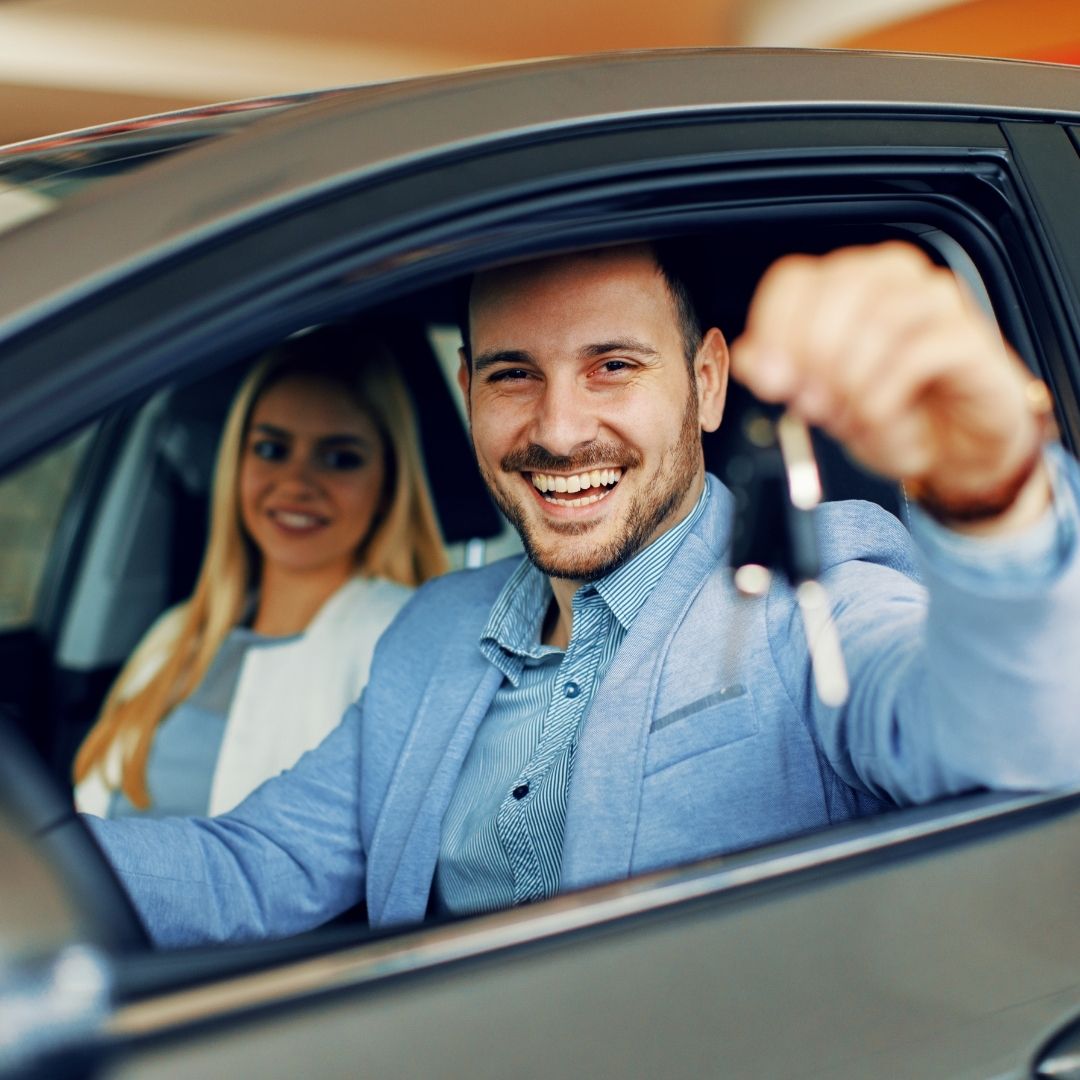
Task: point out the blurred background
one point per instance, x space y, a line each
71 63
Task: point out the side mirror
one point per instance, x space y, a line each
54 993
63 912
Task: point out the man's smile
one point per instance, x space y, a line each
563 489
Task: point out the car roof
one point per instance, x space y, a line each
356 133
981 83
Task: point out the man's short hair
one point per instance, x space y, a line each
675 263
675 260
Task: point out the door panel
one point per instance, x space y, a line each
951 959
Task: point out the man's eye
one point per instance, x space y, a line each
342 460
508 375
269 449
614 367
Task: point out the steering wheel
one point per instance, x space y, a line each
41 810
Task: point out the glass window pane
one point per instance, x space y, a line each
31 502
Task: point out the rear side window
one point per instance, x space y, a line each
31 502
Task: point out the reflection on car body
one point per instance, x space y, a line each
934 942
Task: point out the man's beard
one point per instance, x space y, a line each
679 467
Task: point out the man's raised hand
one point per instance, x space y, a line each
889 354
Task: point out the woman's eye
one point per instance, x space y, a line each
269 449
342 460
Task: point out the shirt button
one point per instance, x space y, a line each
571 689
520 791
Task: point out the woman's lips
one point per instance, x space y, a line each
296 521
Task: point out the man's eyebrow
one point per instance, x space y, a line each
500 356
632 345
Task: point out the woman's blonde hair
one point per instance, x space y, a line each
403 545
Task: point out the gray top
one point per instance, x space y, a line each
182 760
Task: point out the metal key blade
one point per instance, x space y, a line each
804 481
804 490
826 656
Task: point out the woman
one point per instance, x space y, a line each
321 523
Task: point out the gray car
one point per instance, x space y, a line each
142 266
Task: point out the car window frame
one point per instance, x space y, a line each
188 288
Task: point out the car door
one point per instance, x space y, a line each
936 942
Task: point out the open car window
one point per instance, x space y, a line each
141 516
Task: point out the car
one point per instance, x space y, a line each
145 263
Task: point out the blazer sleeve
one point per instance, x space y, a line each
969 683
285 860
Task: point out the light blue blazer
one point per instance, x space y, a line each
704 737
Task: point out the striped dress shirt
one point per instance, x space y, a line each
502 835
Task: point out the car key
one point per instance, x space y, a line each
777 485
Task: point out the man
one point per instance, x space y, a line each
608 705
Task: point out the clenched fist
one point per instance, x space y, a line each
889 354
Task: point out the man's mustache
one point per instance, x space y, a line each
535 458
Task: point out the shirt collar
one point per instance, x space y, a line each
512 632
626 589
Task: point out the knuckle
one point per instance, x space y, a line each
788 271
903 252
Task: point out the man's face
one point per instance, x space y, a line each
585 418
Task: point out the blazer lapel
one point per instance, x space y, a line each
609 765
405 847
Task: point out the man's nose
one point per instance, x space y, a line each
565 419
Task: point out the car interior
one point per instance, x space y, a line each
126 534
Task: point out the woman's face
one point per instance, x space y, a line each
311 475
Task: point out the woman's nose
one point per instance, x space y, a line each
299 473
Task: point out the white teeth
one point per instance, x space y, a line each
585 500
546 482
295 521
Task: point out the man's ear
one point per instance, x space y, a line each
711 365
464 378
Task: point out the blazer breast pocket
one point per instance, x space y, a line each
723 717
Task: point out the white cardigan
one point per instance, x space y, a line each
288 698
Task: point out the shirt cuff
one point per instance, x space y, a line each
1035 556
